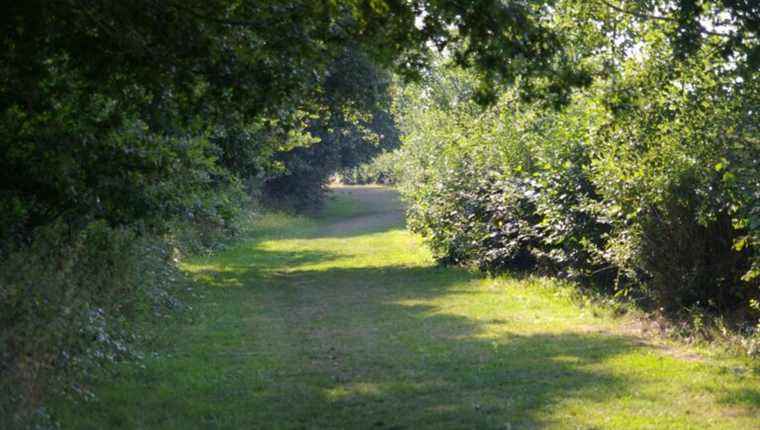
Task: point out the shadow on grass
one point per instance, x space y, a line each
361 347
459 383
414 370
385 347
368 347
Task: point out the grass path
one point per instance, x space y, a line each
344 321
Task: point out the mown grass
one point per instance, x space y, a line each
344 321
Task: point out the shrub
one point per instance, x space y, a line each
68 303
646 187
469 219
571 228
682 199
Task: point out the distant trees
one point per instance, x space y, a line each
354 126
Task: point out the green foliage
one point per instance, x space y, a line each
645 183
69 302
381 170
354 127
680 208
510 190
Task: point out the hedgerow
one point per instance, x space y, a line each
653 196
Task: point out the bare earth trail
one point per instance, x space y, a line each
344 321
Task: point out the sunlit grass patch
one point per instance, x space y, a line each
356 327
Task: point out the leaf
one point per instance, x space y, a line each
741 243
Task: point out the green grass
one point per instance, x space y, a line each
344 321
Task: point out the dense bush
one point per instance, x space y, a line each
541 213
646 185
68 303
674 167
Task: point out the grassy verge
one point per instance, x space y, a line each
344 321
